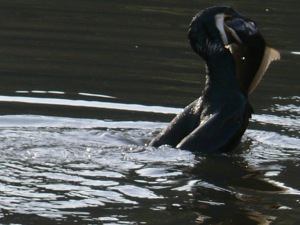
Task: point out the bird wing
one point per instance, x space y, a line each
183 124
220 132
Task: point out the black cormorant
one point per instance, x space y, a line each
236 57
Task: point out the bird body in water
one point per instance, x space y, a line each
236 57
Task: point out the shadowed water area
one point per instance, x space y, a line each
85 85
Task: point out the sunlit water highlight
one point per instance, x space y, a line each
56 167
91 104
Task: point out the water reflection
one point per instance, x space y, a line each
61 168
92 104
63 175
238 192
57 167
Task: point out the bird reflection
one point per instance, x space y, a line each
235 194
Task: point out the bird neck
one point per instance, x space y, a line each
221 77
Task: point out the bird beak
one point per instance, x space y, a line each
219 22
234 28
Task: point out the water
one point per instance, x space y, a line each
85 85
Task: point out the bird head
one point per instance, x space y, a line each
208 31
221 28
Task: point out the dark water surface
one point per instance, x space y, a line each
85 85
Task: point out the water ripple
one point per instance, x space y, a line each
58 167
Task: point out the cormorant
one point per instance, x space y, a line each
236 57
